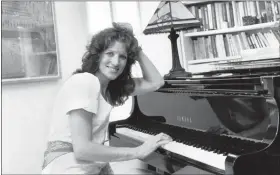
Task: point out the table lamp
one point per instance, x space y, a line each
170 17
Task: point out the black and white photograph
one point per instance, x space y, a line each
140 87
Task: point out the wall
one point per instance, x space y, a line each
26 107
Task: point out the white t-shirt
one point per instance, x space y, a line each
80 91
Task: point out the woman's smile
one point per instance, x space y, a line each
113 61
113 68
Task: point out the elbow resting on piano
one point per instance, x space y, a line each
156 85
159 84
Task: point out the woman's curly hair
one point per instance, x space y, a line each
119 89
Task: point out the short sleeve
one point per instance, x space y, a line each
81 92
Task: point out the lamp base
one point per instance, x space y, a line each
177 75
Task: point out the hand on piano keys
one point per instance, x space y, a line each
152 143
192 151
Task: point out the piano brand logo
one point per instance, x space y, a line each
184 119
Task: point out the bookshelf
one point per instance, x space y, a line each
29 42
234 29
234 33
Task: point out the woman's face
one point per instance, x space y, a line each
113 61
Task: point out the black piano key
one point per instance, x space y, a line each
219 144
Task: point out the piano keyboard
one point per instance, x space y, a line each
198 154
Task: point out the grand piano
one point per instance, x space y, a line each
224 122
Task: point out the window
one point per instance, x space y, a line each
29 48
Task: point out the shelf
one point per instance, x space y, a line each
234 29
44 53
35 28
261 53
31 79
211 60
246 55
32 29
192 2
204 69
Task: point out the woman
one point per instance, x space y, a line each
81 112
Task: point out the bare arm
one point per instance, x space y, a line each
84 149
151 81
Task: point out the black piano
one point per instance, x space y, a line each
221 124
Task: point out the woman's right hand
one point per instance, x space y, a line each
151 144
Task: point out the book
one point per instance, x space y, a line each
237 43
277 35
250 41
196 53
209 16
241 12
244 40
201 46
269 11
262 10
193 49
224 15
218 15
263 39
205 15
230 44
258 40
210 48
254 41
227 50
253 6
272 40
213 44
206 47
214 18
220 46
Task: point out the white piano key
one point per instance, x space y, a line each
198 154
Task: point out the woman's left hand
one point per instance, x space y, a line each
140 55
123 25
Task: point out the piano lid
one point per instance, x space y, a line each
238 116
237 112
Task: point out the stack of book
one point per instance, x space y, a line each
233 44
236 34
219 15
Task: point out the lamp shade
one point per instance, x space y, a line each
171 14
